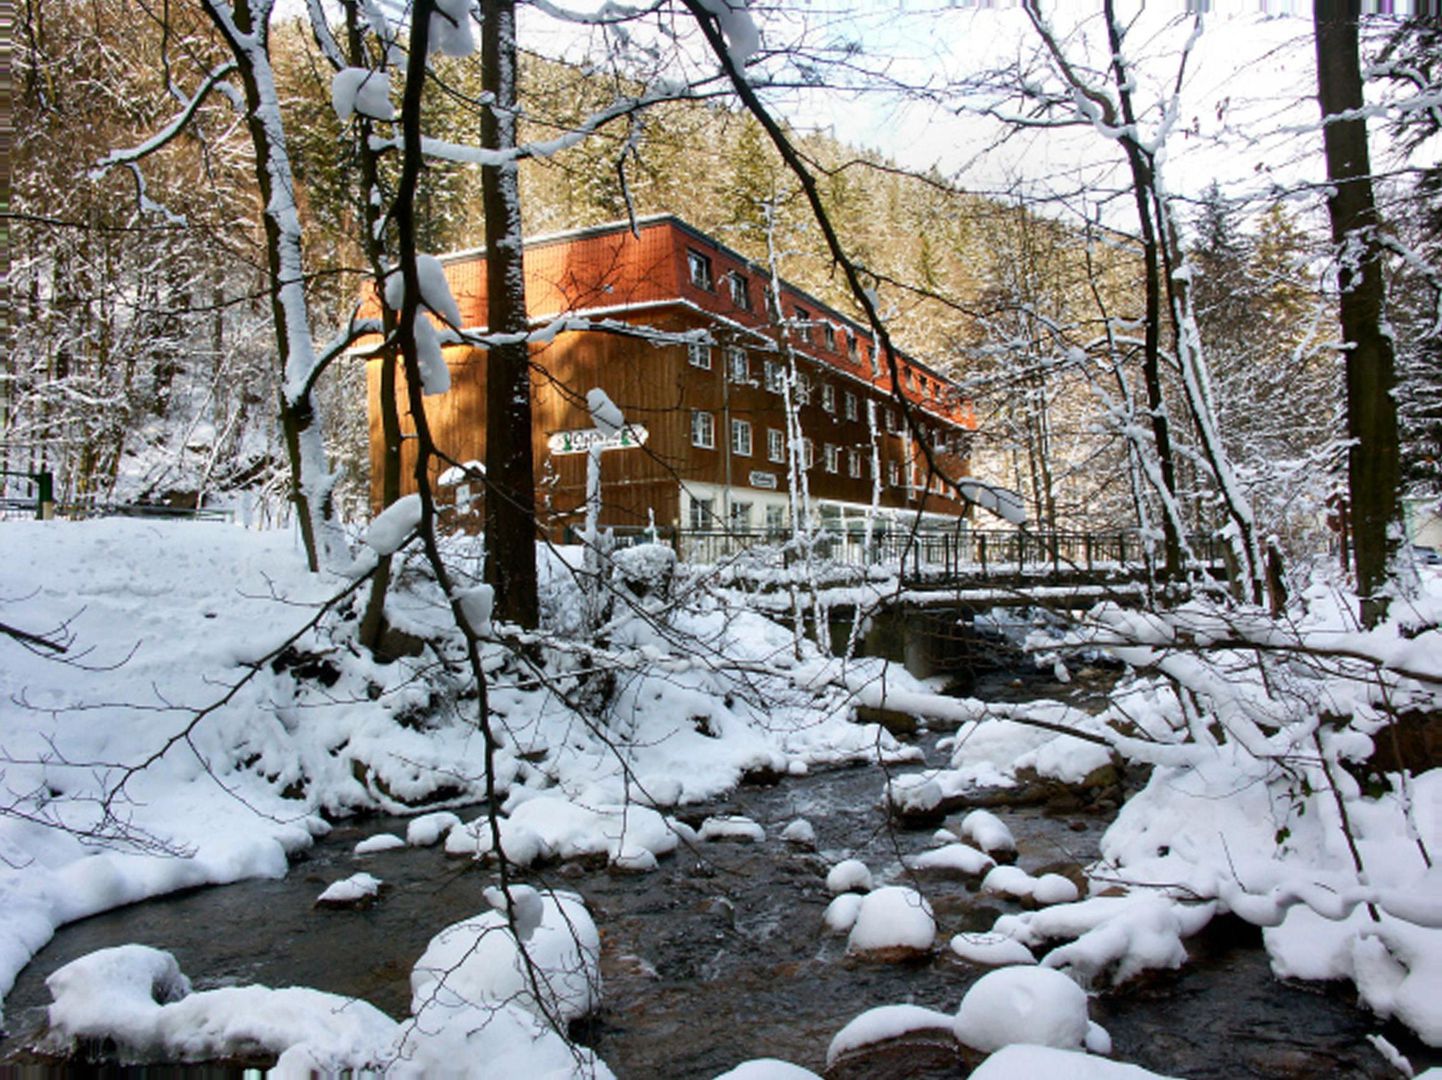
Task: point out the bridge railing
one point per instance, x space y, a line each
930 554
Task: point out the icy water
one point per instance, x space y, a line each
720 956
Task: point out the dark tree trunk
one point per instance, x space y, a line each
1373 461
510 471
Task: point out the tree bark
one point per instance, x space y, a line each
1373 460
510 469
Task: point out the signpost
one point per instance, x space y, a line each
579 442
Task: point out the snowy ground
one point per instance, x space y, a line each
171 746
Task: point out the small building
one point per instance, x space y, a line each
710 441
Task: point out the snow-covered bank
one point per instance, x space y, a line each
168 748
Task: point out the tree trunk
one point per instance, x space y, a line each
1373 462
510 471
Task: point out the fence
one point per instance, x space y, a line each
935 554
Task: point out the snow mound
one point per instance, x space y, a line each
768 1069
987 831
840 915
732 827
351 890
800 832
849 875
477 963
137 998
554 827
428 829
373 845
1023 1005
893 917
882 1023
960 859
1022 1062
991 950
1116 937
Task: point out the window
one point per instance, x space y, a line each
891 424
775 444
775 520
828 397
828 336
739 365
699 353
803 390
853 463
893 473
701 515
741 516
703 430
740 289
851 352
833 458
808 453
700 267
849 402
741 437
803 324
775 376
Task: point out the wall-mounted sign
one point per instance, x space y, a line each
763 480
578 442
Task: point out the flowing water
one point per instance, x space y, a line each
720 955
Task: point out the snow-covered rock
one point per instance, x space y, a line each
893 921
849 875
1023 1005
732 827
988 832
882 1023
477 962
1022 1062
350 892
428 829
373 845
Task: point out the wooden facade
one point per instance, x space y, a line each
717 451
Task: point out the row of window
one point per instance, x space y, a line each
703 435
703 516
738 286
738 365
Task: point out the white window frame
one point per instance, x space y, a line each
775 376
853 463
739 285
808 454
893 474
803 324
832 454
828 336
776 445
698 267
803 388
703 429
775 519
738 364
828 397
698 355
740 520
741 437
702 514
849 405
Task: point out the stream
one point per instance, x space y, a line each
720 955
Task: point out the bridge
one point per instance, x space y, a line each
940 564
920 592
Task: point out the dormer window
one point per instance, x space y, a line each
700 268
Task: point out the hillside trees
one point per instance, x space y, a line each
134 370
